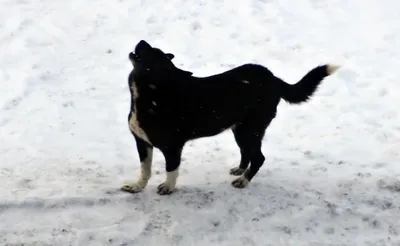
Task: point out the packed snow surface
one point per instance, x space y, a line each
331 175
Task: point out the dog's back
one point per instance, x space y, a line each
201 107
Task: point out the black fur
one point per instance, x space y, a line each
173 107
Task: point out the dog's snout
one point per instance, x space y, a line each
133 56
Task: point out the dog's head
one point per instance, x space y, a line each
147 58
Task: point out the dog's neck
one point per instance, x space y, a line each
174 72
182 73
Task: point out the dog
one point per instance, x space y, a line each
169 107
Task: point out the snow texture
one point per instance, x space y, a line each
331 176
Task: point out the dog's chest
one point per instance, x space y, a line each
134 124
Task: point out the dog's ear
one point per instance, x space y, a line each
169 56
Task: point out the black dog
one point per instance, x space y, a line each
170 107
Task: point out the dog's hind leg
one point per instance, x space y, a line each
146 156
172 161
245 155
249 137
257 161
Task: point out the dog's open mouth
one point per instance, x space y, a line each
134 57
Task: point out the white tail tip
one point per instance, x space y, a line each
331 69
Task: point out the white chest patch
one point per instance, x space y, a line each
134 124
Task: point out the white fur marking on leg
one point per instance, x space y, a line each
237 171
169 185
145 166
171 178
145 174
240 182
243 180
245 81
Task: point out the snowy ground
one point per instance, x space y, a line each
332 170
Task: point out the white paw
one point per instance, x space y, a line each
237 171
165 188
240 182
136 187
168 186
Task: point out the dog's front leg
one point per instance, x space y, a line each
172 161
146 157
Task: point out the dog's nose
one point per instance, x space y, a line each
141 46
143 43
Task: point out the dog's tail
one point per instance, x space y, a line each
305 88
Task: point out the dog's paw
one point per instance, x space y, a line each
236 171
134 187
165 189
240 182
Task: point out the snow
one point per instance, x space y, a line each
332 171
